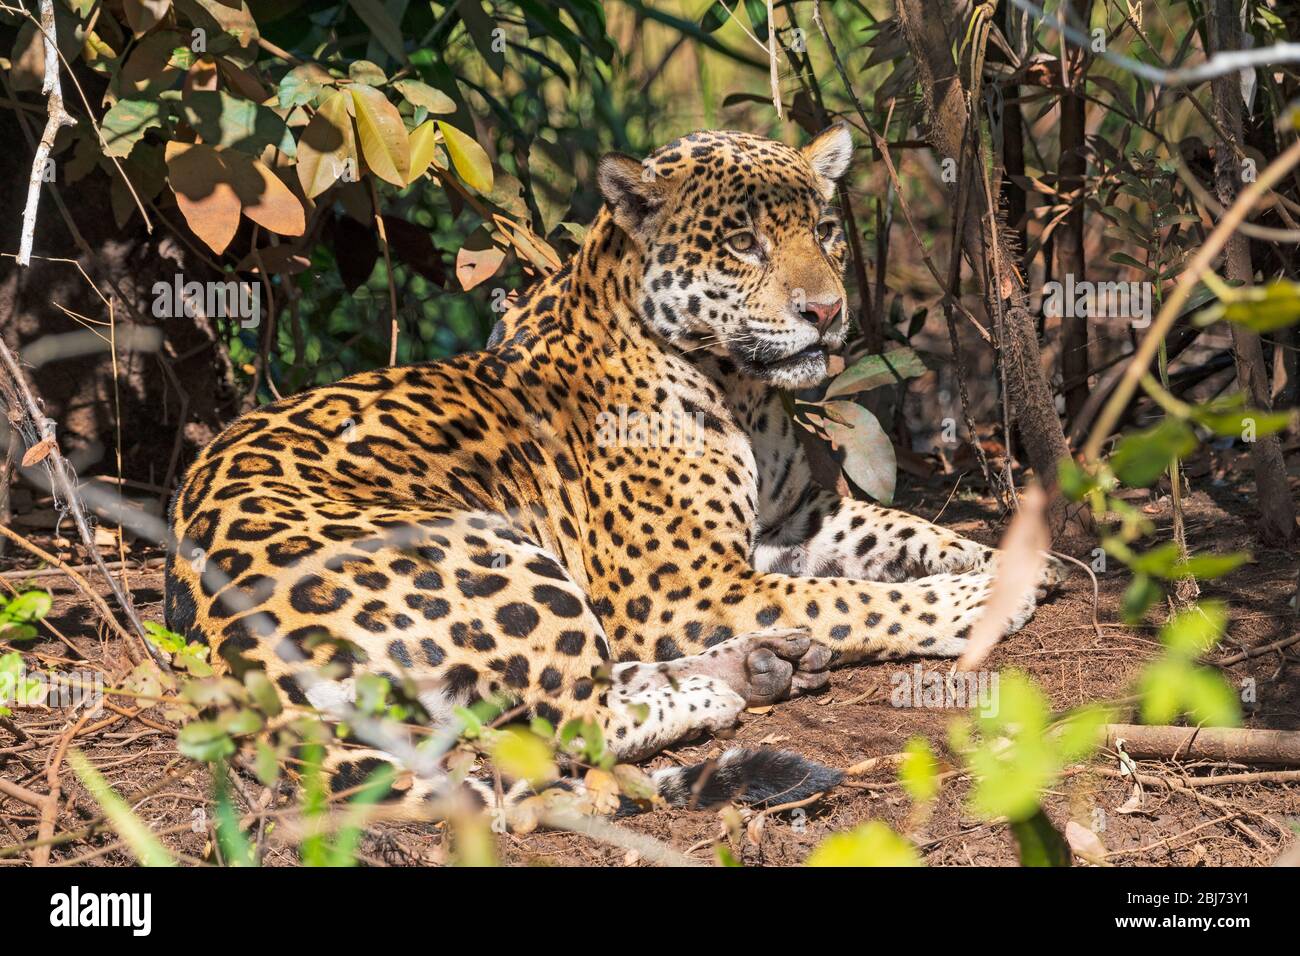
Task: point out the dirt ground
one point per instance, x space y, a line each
1245 824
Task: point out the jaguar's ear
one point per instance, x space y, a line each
829 155
634 193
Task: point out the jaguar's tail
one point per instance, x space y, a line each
769 777
760 777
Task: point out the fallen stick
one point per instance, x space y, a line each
1206 743
1181 785
24 575
1257 651
100 604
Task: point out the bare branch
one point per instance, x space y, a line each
58 118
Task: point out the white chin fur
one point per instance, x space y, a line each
805 374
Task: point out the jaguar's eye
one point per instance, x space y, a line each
825 230
743 243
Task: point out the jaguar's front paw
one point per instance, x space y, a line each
767 666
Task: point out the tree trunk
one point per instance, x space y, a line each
1276 506
1013 154
1072 168
926 24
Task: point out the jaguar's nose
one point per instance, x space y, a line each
822 314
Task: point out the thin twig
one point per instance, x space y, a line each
1257 651
58 118
64 484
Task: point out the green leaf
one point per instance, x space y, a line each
552 180
373 789
1159 562
1161 687
714 17
26 607
205 741
469 158
1081 732
382 26
919 771
133 831
1015 760
1126 260
365 73
872 844
1193 632
372 693
240 722
1174 686
1074 482
1142 457
235 845
481 29
873 371
725 857
1040 843
266 764
302 85
868 453
263 693
126 122
1261 309
384 141
422 94
521 754
231 29
1211 700
165 640
1205 567
1138 598
1230 418
757 10
15 686
232 122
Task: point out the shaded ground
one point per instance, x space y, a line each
851 721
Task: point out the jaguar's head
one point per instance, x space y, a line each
742 248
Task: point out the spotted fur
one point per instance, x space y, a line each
462 524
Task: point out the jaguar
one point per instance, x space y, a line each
469 529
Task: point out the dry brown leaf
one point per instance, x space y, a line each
144 15
207 200
265 198
474 266
1083 841
1021 560
38 452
